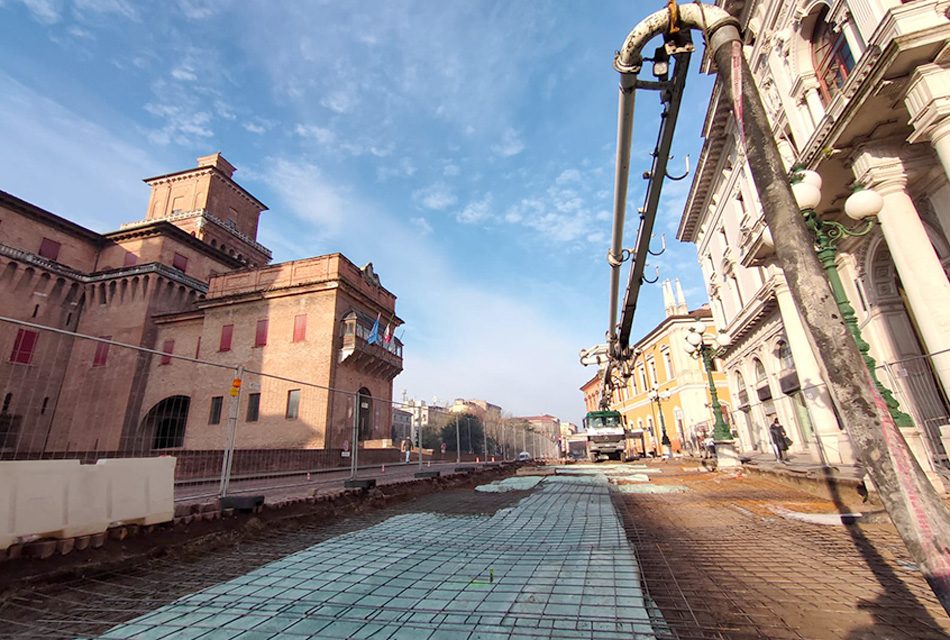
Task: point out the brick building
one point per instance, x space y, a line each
188 280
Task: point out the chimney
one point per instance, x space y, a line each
668 303
217 161
681 308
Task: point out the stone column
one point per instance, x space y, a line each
885 168
833 442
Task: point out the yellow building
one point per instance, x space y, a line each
669 387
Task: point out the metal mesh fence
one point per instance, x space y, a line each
231 428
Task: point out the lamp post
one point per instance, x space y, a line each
657 396
707 348
862 205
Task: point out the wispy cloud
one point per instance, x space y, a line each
436 196
422 224
200 9
401 168
340 101
45 11
181 125
321 135
477 212
184 73
510 145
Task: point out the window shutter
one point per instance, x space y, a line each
260 337
49 249
168 347
226 332
23 346
300 328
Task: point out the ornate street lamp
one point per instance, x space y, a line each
656 396
862 205
707 347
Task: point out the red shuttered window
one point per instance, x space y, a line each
23 346
102 352
168 348
260 336
226 332
300 328
49 249
180 262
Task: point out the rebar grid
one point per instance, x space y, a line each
720 564
556 564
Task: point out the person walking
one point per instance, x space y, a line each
407 448
780 441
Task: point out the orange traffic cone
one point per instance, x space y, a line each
476 460
382 469
308 476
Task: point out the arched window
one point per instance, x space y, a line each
760 376
740 381
830 55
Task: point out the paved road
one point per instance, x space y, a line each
556 564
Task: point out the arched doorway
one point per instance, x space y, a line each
364 420
903 362
166 422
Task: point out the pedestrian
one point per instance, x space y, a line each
710 447
780 441
407 448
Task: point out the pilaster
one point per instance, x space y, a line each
813 388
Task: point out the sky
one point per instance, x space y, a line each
465 148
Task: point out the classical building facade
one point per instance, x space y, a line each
189 280
858 91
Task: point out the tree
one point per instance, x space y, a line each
470 434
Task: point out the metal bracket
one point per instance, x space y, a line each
685 173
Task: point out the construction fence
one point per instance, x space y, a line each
231 426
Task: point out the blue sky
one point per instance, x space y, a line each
465 148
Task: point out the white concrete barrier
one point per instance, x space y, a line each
65 499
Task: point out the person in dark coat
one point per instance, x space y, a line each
779 440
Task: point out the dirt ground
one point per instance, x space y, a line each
721 563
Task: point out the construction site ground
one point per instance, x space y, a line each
657 550
735 557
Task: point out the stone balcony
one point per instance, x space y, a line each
374 359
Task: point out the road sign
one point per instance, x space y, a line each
344 454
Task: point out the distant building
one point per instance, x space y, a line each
679 380
402 425
190 279
591 390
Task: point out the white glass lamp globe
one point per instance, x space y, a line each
723 340
694 339
811 177
698 326
863 203
690 348
806 195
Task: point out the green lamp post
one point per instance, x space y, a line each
701 345
862 205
